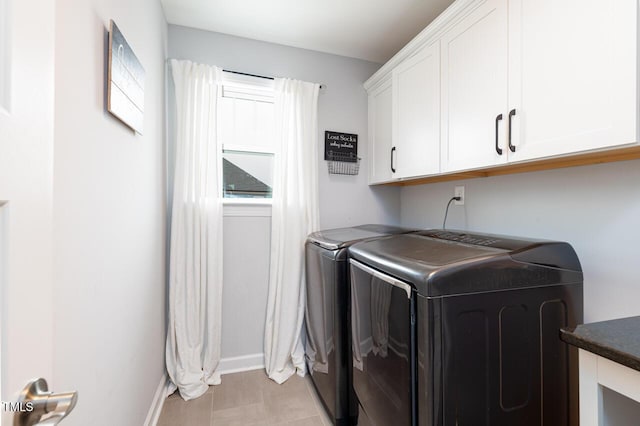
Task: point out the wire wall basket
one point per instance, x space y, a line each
340 163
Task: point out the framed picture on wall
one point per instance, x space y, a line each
125 92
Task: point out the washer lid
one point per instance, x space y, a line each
334 239
440 265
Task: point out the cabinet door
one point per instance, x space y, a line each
474 88
573 75
380 134
416 113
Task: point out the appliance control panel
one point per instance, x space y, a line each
477 240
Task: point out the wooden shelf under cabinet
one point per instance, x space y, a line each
608 156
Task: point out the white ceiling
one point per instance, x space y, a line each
373 30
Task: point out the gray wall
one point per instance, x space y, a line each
342 106
246 267
595 208
618 410
344 200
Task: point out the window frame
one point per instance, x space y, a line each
255 89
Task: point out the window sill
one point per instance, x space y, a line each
246 208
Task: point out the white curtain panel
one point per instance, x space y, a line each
195 268
295 214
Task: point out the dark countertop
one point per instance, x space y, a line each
617 340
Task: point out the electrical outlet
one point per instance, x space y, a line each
458 191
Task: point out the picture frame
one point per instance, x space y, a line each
125 88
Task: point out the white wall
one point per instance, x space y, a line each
344 200
109 217
4 55
595 208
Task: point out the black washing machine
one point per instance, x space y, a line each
459 329
327 351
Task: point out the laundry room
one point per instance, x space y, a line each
411 212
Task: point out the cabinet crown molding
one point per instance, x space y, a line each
458 10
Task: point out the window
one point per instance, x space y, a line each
247 174
246 116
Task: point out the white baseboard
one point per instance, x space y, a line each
158 401
241 363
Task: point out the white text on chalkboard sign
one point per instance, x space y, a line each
340 146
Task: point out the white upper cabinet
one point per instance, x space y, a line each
572 75
474 88
380 134
501 82
416 114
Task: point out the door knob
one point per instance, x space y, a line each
38 406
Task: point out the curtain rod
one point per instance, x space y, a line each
250 75
322 86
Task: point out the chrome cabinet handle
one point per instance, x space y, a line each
498 149
35 401
511 146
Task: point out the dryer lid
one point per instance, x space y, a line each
334 239
458 263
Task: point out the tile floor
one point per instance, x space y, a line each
248 398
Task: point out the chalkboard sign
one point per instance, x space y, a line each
340 147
